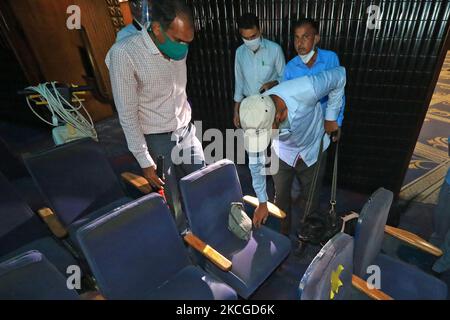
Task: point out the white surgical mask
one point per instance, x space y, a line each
307 57
253 44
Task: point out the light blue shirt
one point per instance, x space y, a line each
325 60
127 31
301 134
253 69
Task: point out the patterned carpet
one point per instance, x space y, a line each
431 161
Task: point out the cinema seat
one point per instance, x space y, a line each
398 279
12 167
207 196
78 183
30 276
329 276
135 252
21 230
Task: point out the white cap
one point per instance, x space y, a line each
257 114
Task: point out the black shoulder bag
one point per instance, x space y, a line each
318 227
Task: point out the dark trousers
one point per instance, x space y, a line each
283 185
183 154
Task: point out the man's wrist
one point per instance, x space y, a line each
236 107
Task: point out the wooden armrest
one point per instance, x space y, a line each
53 222
92 295
138 182
413 240
273 209
209 252
362 286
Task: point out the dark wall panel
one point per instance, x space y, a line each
391 72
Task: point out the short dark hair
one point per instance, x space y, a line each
305 21
165 11
248 21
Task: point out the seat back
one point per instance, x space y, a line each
31 276
329 276
18 224
369 231
76 178
134 249
207 196
11 165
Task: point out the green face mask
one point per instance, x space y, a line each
173 49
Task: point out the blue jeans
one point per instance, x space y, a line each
183 154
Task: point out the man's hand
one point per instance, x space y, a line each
236 118
268 86
152 178
261 214
330 127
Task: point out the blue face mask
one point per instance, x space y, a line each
173 49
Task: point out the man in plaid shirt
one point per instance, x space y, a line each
148 76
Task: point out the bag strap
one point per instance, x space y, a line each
334 181
314 183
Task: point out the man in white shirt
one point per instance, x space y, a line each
259 63
148 76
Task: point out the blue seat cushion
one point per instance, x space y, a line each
94 215
406 282
253 261
52 250
31 276
192 283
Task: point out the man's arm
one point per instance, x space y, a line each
238 80
335 63
238 91
280 64
332 83
256 165
124 87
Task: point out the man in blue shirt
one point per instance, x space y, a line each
259 63
294 108
312 60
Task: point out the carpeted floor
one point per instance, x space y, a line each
431 160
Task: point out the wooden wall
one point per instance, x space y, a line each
61 54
